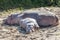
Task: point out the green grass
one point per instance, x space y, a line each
22 4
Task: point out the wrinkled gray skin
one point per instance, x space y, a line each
43 19
29 24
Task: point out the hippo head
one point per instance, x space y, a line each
29 27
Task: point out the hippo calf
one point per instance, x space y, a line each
29 24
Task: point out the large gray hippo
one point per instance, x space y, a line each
44 19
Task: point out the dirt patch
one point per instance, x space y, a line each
14 32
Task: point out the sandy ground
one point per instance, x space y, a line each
15 33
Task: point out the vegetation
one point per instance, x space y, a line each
10 4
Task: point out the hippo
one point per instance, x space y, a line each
44 19
29 24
